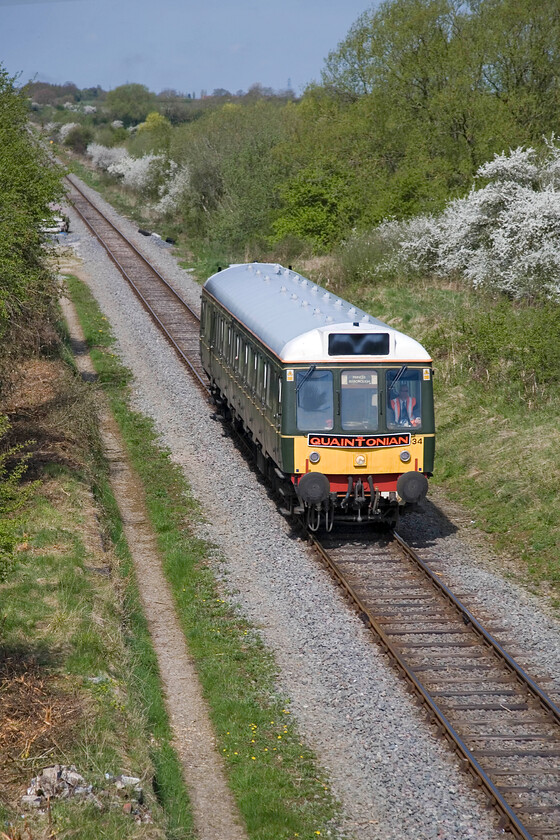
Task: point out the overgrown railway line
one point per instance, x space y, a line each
502 726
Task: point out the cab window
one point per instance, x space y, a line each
315 407
404 399
359 400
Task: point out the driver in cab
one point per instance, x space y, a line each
405 412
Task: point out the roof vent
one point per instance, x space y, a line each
267 278
314 290
329 319
305 303
283 289
351 311
278 268
326 296
316 311
294 296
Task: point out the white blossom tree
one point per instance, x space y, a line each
173 189
504 235
103 156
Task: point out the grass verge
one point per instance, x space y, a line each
274 777
78 677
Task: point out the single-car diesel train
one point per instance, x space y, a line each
337 405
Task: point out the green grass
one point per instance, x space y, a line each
279 789
63 618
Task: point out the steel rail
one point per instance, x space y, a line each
203 383
523 678
509 819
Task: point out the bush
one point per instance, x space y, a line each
29 183
78 138
504 235
517 345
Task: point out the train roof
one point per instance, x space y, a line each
302 322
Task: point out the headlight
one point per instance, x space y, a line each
314 457
360 460
405 457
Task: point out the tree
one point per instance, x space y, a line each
521 60
155 131
29 181
131 103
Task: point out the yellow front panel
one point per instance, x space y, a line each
337 460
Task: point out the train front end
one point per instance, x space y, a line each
361 419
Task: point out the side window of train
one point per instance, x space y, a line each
251 368
260 376
404 399
266 384
203 317
315 404
237 353
246 359
255 370
229 349
221 330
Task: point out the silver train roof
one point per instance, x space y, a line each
294 317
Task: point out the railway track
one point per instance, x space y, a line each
171 313
503 727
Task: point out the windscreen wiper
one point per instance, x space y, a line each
398 376
305 377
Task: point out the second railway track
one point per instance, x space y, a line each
172 314
502 726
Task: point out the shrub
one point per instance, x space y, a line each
102 156
143 174
78 138
504 235
173 191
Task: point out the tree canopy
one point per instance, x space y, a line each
130 103
28 183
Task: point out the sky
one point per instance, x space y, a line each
190 46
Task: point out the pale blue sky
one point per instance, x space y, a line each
190 45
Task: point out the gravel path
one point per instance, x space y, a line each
394 779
